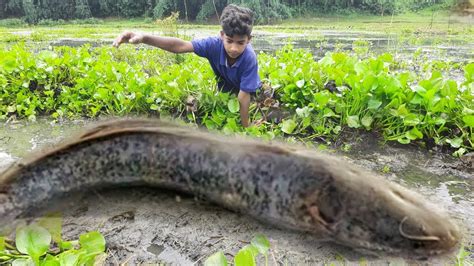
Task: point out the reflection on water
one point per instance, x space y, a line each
456 48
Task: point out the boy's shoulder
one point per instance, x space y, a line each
207 46
209 41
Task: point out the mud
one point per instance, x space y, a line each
145 225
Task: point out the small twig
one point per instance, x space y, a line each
273 257
113 255
126 260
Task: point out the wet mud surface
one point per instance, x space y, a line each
150 225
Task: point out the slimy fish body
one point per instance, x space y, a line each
287 186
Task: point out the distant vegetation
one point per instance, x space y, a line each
33 11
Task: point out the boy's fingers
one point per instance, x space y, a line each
118 41
124 37
134 40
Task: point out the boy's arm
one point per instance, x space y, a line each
244 101
170 44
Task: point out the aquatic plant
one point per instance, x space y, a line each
315 98
41 244
247 255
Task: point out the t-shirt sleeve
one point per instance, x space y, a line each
202 46
250 80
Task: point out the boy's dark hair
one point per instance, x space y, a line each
236 20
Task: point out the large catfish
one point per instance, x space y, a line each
287 186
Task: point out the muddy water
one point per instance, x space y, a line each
145 225
320 42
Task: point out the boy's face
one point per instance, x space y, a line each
235 45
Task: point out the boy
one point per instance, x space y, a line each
231 56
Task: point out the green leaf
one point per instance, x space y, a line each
322 98
92 242
367 121
467 111
261 242
288 126
11 108
33 240
23 262
459 152
216 259
300 83
469 72
45 55
439 121
2 244
417 99
469 120
411 120
66 244
8 63
246 256
403 140
50 260
455 142
329 113
402 111
53 223
374 104
303 112
353 121
69 257
233 105
360 68
413 134
386 57
419 89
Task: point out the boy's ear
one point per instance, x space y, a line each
222 34
250 38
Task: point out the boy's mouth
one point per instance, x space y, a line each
233 55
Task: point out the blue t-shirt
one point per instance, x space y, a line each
242 75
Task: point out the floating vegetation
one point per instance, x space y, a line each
316 99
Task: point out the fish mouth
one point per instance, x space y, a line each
433 238
407 237
381 217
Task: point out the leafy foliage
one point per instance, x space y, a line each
245 256
36 245
266 11
373 93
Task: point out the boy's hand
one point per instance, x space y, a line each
128 37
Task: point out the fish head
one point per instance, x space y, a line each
366 212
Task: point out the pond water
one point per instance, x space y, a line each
413 51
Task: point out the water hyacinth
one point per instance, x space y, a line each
340 91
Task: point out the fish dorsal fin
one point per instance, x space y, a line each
121 124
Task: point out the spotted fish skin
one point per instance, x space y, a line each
287 186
